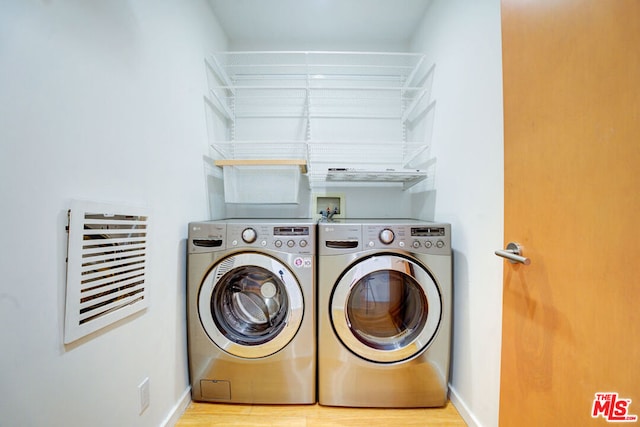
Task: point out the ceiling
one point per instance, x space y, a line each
294 23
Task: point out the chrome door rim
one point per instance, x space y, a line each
340 298
293 318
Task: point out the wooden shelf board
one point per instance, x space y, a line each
264 162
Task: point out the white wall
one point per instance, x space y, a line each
463 38
100 101
103 101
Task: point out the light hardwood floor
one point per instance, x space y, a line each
214 414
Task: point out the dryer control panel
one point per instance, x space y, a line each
428 239
353 236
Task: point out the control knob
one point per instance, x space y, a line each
386 236
249 235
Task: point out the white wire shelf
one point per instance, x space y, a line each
407 177
330 161
317 84
268 150
316 65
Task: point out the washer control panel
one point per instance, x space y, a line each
297 237
427 238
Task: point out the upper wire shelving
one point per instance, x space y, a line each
317 84
322 90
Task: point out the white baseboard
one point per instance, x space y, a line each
178 409
462 408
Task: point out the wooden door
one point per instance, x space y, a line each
571 319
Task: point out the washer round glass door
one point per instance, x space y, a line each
250 305
386 308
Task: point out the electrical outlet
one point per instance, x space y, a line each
143 389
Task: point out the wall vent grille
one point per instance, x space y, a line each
106 266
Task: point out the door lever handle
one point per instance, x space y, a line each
513 254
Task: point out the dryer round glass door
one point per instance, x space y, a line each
386 308
250 305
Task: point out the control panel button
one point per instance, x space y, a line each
249 235
440 244
428 244
416 244
278 243
386 236
291 243
303 243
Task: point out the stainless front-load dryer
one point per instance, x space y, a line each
384 313
250 296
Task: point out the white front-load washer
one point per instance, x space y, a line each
384 313
251 311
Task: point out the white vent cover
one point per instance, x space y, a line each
106 266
